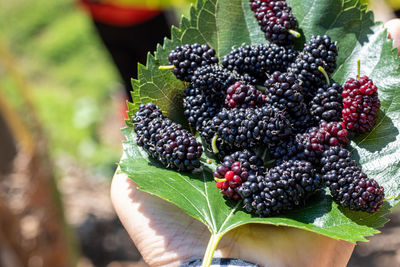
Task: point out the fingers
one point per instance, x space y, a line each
393 27
285 246
164 235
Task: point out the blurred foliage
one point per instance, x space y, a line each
152 3
395 4
66 65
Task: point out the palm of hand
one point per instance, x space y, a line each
166 236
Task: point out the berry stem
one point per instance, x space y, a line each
214 144
321 69
358 69
219 180
294 33
212 245
207 161
388 198
169 67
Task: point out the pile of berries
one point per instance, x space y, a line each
274 101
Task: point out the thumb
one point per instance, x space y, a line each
393 27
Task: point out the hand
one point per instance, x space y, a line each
393 27
166 236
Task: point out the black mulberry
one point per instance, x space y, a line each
327 104
284 187
248 128
240 95
165 140
319 139
349 186
319 52
187 58
276 20
259 60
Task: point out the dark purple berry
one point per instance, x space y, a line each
259 60
282 188
240 95
327 105
165 140
276 20
187 58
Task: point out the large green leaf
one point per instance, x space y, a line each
226 23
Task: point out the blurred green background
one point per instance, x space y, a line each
71 79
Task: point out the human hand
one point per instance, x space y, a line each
393 27
166 236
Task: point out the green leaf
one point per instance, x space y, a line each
226 23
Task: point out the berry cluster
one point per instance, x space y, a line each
269 100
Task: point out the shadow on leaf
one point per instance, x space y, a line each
368 219
320 203
381 135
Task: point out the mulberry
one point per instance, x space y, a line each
276 20
349 186
187 58
235 170
248 128
290 149
319 53
283 92
327 105
259 60
317 140
281 189
360 104
165 140
336 158
240 95
205 95
199 107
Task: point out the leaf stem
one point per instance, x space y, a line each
169 67
294 33
358 69
321 69
212 245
